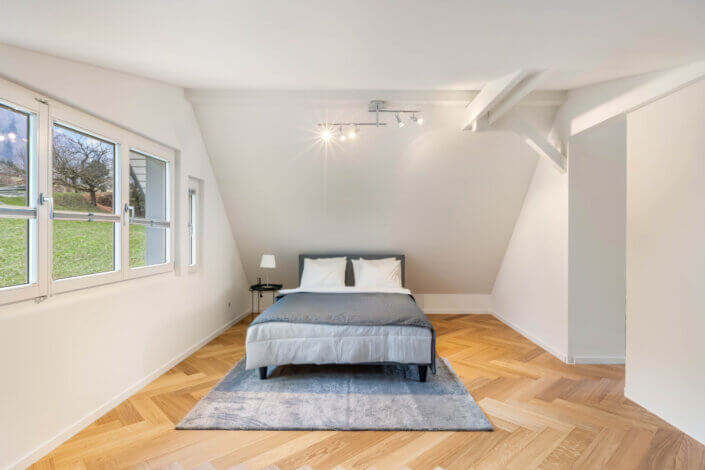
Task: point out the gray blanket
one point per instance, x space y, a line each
359 309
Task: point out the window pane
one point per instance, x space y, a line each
82 248
83 172
148 186
14 238
147 245
14 149
192 227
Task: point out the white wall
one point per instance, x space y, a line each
531 290
596 254
666 259
446 198
65 358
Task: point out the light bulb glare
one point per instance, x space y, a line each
326 134
419 121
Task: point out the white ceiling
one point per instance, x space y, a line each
362 44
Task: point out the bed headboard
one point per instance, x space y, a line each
349 277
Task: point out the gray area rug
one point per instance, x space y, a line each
338 397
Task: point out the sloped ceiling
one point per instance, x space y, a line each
446 198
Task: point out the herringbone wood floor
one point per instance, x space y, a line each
546 414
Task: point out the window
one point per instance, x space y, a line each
82 202
149 218
86 225
192 226
17 218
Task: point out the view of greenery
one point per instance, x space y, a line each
13 252
83 168
13 246
80 248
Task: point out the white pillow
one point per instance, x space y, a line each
323 272
377 272
360 261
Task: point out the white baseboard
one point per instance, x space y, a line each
454 303
70 431
457 311
554 351
598 359
630 395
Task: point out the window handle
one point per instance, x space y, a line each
130 210
44 200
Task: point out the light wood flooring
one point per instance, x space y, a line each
546 415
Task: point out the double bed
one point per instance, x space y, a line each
342 325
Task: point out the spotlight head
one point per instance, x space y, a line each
12 136
399 121
342 134
352 134
326 134
417 120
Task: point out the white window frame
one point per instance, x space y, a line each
150 149
73 119
194 225
16 97
48 111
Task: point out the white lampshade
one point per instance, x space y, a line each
268 261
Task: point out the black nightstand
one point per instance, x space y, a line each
259 288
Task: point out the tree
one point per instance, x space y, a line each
12 171
82 163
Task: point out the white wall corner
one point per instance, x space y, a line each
553 350
593 359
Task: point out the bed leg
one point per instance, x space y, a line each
423 370
262 373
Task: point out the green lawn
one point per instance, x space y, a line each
79 248
12 201
138 252
75 202
13 252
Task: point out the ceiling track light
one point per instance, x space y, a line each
417 120
326 134
329 129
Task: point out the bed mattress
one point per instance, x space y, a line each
278 343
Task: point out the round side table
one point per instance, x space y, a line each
257 290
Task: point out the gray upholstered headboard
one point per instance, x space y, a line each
349 277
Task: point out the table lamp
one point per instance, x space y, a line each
268 262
